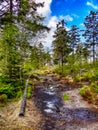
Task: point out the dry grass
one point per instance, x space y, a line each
10 120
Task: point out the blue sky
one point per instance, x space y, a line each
72 11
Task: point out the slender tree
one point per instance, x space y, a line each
91 32
74 39
60 44
39 56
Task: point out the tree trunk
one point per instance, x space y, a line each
93 53
62 62
11 9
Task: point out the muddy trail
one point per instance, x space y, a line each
60 114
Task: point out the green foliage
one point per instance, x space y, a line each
61 48
39 57
90 93
83 77
67 69
66 97
83 90
11 63
94 77
3 98
29 93
78 78
17 58
90 24
19 94
94 87
7 89
74 41
58 69
12 90
86 74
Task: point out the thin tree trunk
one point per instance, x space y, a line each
11 9
93 53
62 62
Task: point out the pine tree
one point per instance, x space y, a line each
60 44
19 23
74 39
91 32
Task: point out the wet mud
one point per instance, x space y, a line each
57 114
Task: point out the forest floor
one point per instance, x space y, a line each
10 120
48 110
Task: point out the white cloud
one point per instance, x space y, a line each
45 11
52 25
91 5
75 16
50 21
66 17
82 24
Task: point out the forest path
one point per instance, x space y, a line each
60 114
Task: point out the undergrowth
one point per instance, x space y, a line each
90 93
86 72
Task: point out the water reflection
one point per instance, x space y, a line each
48 100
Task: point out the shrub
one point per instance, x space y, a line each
77 78
19 94
3 98
84 90
7 89
94 87
28 95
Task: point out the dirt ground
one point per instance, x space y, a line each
75 114
10 120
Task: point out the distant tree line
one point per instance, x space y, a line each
68 47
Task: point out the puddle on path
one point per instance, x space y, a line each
48 101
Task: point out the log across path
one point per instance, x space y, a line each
23 104
60 114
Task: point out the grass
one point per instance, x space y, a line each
66 97
11 121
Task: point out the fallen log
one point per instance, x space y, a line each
23 104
